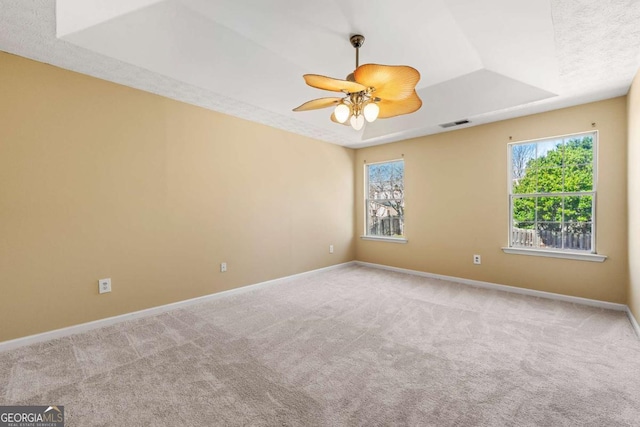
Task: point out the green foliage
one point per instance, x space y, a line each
566 167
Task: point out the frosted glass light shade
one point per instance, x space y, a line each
357 122
342 112
371 111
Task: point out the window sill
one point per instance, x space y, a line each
385 239
556 254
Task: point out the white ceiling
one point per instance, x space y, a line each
482 61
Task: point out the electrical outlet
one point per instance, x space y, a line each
104 285
477 259
223 267
330 249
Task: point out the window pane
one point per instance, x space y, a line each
385 219
550 153
578 208
527 184
524 210
523 235
549 209
578 177
517 175
579 150
386 180
578 236
550 180
521 156
550 235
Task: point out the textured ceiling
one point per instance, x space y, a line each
481 61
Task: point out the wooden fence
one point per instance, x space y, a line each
387 226
550 239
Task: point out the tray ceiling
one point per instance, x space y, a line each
480 61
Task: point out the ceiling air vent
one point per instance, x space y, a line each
456 123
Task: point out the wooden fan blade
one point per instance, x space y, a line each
397 108
333 119
336 85
392 82
316 104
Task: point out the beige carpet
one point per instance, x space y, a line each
353 346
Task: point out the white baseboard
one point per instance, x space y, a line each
84 327
634 322
511 289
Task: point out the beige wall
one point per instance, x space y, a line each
633 173
100 180
457 206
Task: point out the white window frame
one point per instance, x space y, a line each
555 252
366 235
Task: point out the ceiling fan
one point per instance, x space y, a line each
372 91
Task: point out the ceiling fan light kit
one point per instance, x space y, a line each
371 111
357 122
372 91
342 112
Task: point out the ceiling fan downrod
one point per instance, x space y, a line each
357 41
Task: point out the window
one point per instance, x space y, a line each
385 200
553 194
